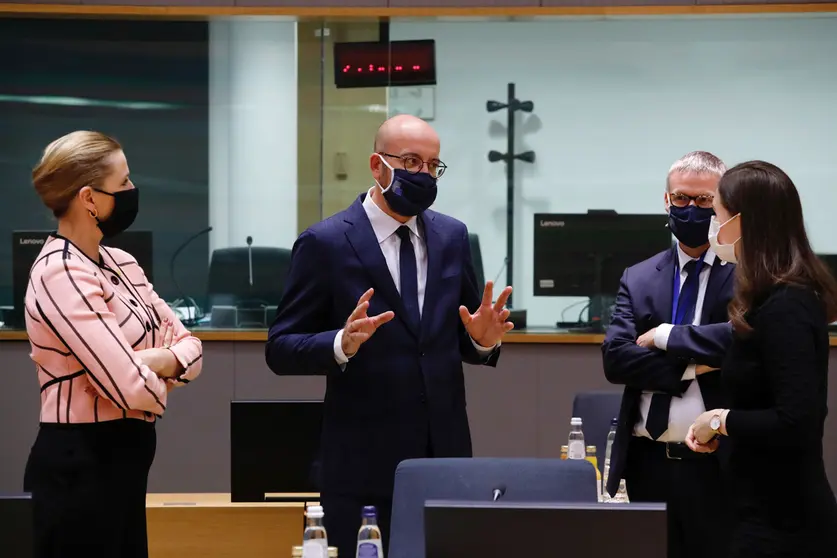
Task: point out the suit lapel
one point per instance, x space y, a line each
718 276
433 249
365 245
664 295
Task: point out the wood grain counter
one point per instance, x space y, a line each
542 336
209 525
539 336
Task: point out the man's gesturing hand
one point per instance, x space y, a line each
488 324
360 327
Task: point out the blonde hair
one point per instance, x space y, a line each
69 164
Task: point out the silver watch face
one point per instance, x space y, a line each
715 422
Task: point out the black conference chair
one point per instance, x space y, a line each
232 298
16 537
524 480
596 409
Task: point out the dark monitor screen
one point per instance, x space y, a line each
457 529
585 254
830 260
26 245
274 448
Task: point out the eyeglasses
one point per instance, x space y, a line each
682 200
414 165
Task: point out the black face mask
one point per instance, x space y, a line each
410 194
690 224
125 208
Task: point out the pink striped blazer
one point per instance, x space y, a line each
85 319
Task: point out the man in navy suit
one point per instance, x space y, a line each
382 298
667 338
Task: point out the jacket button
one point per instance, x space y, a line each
134 302
147 326
114 279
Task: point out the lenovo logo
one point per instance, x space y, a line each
31 241
545 223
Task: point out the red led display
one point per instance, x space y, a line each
382 64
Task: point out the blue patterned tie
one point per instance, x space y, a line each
409 276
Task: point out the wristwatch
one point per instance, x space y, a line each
715 425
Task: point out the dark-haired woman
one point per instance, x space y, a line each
776 370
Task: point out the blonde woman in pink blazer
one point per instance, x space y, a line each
107 351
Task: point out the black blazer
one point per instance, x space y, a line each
777 383
403 393
643 302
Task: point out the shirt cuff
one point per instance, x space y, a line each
661 336
484 351
689 374
339 357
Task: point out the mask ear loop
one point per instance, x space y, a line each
391 175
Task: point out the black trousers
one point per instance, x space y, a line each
693 488
88 485
342 520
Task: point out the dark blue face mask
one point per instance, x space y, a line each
690 224
410 194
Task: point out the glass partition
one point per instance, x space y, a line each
236 124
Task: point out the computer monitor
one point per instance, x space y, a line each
585 254
830 260
456 529
274 449
26 245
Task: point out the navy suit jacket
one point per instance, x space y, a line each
643 302
402 395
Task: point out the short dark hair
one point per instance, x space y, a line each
774 244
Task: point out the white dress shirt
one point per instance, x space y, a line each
385 227
684 410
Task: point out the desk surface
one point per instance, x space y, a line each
531 336
211 500
541 335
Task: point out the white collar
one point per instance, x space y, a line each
683 258
383 224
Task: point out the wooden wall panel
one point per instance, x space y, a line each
758 2
614 3
464 3
312 3
178 3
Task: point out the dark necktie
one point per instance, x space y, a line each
657 422
409 276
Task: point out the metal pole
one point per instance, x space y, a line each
510 193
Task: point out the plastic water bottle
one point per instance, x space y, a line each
611 437
369 543
314 538
575 443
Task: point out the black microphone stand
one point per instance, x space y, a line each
184 299
512 105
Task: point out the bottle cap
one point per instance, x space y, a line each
565 448
315 511
332 552
296 552
369 511
591 450
614 421
575 421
